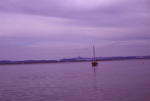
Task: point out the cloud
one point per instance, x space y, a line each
69 28
98 13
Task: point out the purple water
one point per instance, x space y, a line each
78 81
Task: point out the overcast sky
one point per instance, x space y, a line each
55 29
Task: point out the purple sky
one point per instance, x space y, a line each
55 29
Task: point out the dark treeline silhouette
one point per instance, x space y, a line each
76 59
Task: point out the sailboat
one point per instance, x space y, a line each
94 62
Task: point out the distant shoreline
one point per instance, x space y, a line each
7 62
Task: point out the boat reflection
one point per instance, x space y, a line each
95 89
95 75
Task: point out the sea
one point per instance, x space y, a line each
119 80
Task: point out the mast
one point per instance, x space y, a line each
94 53
94 62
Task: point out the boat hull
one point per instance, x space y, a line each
94 63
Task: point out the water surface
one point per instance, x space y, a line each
126 80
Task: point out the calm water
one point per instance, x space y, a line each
110 81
